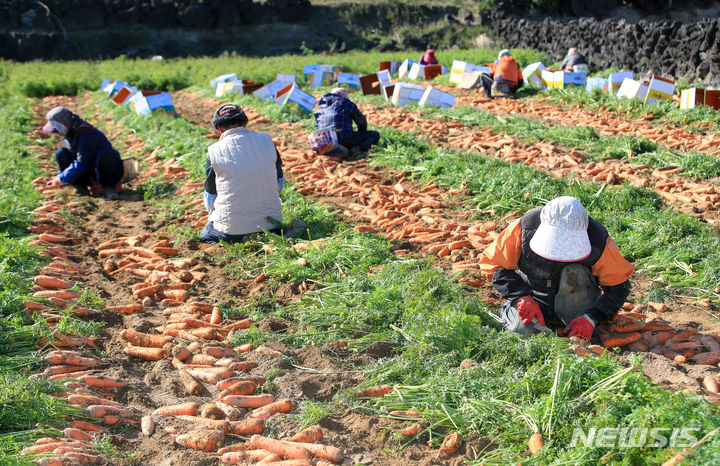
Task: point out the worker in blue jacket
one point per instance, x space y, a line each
87 159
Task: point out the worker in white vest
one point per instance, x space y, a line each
243 180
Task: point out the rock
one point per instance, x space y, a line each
124 19
227 15
84 18
255 14
197 16
163 17
483 41
36 19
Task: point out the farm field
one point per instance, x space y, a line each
125 340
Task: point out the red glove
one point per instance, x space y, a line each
581 327
528 309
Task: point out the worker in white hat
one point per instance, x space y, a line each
557 266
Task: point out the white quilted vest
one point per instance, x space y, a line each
246 182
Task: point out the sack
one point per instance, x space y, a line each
323 141
130 170
500 89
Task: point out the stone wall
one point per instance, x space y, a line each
669 48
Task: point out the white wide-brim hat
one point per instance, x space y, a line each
562 234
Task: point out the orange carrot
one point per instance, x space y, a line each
192 386
148 291
52 283
535 443
62 369
628 328
239 325
711 385
612 342
409 431
219 351
147 425
210 374
101 381
240 457
70 358
244 366
660 338
274 458
450 445
310 435
180 295
87 426
236 447
148 354
710 358
283 449
189 409
77 434
326 452
51 238
211 411
244 348
201 359
208 440
380 390
231 413
127 309
62 294
248 401
144 339
181 352
264 350
227 383
280 406
245 387
87 400
405 414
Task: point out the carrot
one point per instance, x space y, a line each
628 328
248 401
612 342
239 325
85 458
70 358
189 409
244 348
203 359
62 294
216 316
380 390
284 449
180 295
210 411
87 426
127 309
450 445
80 399
280 406
192 386
52 283
35 306
326 452
245 387
660 338
102 381
63 369
219 351
242 366
77 434
657 307
410 431
143 339
50 461
148 291
239 457
167 251
274 458
208 440
535 443
710 358
51 238
210 374
310 435
227 383
711 385
106 410
405 413
148 354
147 425
181 352
236 447
657 325
205 423
231 413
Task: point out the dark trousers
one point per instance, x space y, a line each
487 82
361 139
211 235
107 173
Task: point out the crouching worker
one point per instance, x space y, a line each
505 75
556 265
243 181
87 160
338 112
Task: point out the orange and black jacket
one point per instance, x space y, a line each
506 69
517 271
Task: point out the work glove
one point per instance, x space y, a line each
528 309
581 327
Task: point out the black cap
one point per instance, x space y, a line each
229 115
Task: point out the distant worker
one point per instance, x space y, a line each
550 266
87 161
428 58
338 112
243 180
505 76
574 61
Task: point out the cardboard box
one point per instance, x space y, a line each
223 78
104 83
285 78
387 91
405 93
437 98
533 74
472 80
659 89
280 95
433 71
631 89
251 87
548 78
691 98
302 99
417 71
225 88
404 69
310 69
124 94
459 67
112 88
370 84
712 98
268 91
564 79
349 81
615 80
391 66
146 103
384 77
596 83
323 78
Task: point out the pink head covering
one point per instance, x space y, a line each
429 57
